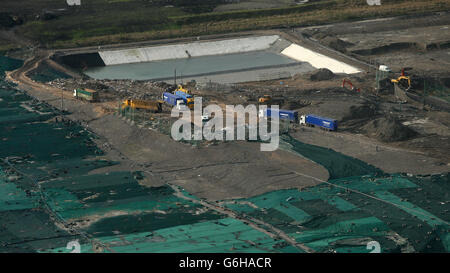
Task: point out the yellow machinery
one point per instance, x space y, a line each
403 81
154 106
182 89
265 99
184 94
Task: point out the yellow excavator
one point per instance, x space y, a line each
184 94
265 99
403 81
182 89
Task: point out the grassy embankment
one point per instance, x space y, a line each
113 25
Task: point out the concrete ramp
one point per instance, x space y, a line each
180 51
318 60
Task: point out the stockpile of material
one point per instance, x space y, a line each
388 129
322 74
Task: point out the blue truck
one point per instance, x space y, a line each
172 99
313 120
282 114
187 98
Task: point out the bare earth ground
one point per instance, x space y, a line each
418 31
228 170
388 158
239 169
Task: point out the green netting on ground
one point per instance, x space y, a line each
38 150
30 230
11 196
430 194
8 64
148 222
224 235
102 193
26 225
337 164
344 214
45 182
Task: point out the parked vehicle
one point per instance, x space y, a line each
188 99
184 93
325 123
154 106
86 94
282 114
172 99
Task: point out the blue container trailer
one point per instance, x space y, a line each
282 114
172 99
187 98
182 94
313 120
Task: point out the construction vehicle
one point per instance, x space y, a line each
173 99
184 94
182 89
86 94
403 81
267 99
188 99
348 82
154 106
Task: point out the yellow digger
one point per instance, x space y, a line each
265 99
403 81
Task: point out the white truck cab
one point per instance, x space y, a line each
384 68
181 105
205 117
262 113
302 120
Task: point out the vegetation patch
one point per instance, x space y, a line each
115 21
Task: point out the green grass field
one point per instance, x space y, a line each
114 21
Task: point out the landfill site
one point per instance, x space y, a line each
87 153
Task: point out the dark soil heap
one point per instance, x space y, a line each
388 129
336 43
296 104
322 74
386 86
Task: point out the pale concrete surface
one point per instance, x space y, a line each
195 49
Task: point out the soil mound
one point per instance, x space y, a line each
363 111
336 43
295 104
322 74
386 86
388 129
